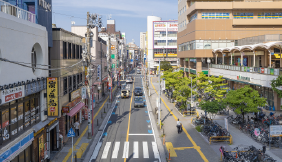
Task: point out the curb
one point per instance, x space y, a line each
158 138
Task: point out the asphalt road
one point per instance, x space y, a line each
128 135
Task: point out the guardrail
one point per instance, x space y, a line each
17 12
191 112
228 138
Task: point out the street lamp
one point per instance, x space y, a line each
208 61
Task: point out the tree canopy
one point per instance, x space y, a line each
244 100
166 66
212 107
277 83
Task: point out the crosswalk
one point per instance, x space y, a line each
112 150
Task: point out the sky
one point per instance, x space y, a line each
130 15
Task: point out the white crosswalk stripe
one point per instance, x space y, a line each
127 148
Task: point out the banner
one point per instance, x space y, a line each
52 96
41 147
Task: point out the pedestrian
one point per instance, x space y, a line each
76 126
178 125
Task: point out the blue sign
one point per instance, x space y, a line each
93 101
110 87
71 133
16 147
131 60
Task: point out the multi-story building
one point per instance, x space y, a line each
25 126
66 56
219 31
98 49
162 41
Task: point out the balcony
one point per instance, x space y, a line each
16 11
248 75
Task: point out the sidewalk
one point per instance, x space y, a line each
240 138
81 143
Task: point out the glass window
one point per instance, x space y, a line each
5 124
20 116
27 113
70 84
14 120
172 43
74 82
207 45
36 116
32 111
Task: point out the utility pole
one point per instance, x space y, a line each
89 78
160 93
110 63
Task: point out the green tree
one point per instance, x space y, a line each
166 66
244 100
212 85
275 83
212 107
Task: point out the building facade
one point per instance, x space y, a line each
231 33
66 56
22 99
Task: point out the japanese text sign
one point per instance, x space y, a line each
52 96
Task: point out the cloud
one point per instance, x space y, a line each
124 8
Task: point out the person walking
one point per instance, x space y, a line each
76 126
178 125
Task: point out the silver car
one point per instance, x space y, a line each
128 80
139 102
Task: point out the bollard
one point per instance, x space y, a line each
164 140
104 110
75 158
97 122
169 155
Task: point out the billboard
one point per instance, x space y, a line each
52 96
123 35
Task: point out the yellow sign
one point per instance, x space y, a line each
164 55
112 47
52 96
41 147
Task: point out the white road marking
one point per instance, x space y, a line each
155 150
106 150
125 150
115 152
135 150
140 134
96 151
145 150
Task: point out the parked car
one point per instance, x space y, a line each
138 72
139 102
138 91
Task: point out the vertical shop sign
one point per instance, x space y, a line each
45 150
41 147
52 96
99 73
83 93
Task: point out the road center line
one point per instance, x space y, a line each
141 134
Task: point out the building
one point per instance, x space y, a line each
25 125
98 49
222 30
162 42
66 56
143 40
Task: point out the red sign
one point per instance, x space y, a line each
173 25
261 70
65 109
52 109
13 96
86 114
160 25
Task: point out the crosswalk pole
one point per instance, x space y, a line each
169 155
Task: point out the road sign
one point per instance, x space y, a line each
71 133
110 88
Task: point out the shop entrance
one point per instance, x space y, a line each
53 140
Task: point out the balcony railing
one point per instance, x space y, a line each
16 11
260 70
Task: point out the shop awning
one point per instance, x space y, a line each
76 109
42 124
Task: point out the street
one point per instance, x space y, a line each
128 136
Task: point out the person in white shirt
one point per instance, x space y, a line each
76 126
179 126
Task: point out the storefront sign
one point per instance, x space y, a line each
83 93
74 102
99 73
23 141
271 71
275 130
45 5
262 70
52 96
45 151
243 78
11 93
65 109
73 95
112 47
41 147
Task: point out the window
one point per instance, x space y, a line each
65 85
33 59
80 52
20 116
172 33
216 15
74 82
273 15
78 81
27 112
5 124
65 50
172 43
70 84
239 15
160 33
193 17
14 119
77 52
69 50
81 79
73 51
160 42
